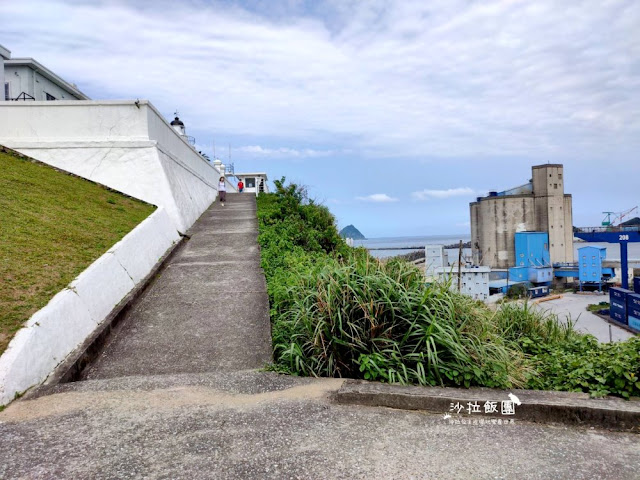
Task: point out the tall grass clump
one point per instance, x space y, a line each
338 312
360 318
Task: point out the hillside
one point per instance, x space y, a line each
351 232
54 225
632 222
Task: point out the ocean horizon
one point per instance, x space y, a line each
400 245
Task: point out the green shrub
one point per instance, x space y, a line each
584 365
360 318
338 312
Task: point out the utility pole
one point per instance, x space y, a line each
460 267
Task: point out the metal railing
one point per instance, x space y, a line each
619 228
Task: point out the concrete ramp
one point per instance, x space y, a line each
207 310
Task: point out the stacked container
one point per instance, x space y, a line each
633 310
618 304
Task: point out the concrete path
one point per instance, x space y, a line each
250 425
574 306
208 309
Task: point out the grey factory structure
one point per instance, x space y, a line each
537 206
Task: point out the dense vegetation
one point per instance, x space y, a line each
338 312
52 226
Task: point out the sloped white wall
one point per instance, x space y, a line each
53 332
126 146
129 148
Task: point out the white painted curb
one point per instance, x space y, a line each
54 331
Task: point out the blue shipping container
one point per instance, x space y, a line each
619 293
634 322
633 312
620 317
617 305
636 284
633 300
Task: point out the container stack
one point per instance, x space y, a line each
618 304
633 310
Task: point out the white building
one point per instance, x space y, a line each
474 281
26 79
435 256
255 182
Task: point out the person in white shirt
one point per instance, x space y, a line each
222 191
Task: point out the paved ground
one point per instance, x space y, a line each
206 311
574 306
249 425
175 394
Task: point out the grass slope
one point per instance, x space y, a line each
52 227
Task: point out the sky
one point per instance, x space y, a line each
395 114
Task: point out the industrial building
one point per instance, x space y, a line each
473 281
26 79
537 206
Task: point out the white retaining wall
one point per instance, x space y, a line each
53 332
126 146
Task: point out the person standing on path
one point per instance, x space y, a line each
240 186
222 191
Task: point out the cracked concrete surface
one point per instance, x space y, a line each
248 424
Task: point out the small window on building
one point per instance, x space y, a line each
559 176
555 185
50 97
6 92
250 182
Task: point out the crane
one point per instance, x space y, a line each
619 216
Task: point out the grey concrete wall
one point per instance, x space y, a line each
568 228
551 211
495 220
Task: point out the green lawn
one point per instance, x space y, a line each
52 227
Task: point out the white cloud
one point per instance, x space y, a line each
378 198
443 78
448 193
282 152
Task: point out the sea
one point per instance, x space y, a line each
394 246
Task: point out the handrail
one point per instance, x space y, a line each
614 229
